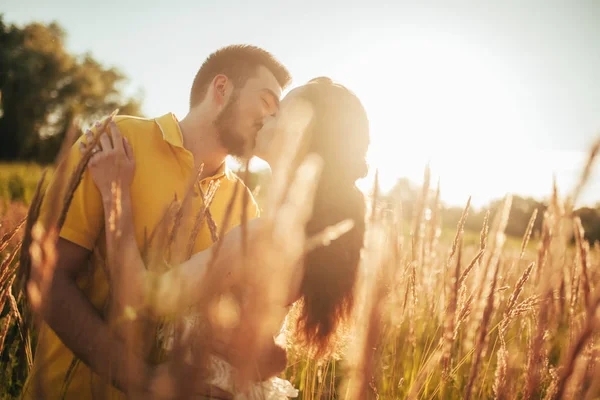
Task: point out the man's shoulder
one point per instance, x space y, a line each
131 125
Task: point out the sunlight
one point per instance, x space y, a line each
444 104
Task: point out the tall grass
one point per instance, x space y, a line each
436 317
18 182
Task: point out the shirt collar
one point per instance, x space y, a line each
171 133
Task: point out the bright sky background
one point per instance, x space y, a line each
498 96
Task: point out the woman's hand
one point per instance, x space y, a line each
112 162
165 385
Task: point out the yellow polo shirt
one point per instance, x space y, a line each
164 169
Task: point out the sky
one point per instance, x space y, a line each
497 97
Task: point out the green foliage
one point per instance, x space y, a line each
522 210
18 182
43 88
16 188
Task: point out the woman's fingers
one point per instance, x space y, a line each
105 142
89 137
86 144
116 136
128 150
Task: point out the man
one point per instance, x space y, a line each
234 90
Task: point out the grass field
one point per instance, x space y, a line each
18 182
440 314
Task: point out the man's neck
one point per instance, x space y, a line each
200 137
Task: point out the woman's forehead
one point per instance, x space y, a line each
292 94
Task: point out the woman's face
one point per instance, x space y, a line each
285 128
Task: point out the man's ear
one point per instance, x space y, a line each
220 86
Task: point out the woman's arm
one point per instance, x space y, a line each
112 167
213 270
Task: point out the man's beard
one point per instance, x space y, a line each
233 141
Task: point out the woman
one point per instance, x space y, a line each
336 129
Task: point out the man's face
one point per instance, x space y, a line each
243 115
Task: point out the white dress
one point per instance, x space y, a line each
222 372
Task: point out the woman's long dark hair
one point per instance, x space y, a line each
339 133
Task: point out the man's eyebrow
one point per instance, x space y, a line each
272 93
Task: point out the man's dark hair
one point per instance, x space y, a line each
238 63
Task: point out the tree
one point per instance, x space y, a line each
520 213
590 220
43 88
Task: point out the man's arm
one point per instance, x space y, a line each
80 327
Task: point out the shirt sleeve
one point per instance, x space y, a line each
85 216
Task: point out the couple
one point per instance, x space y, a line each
234 110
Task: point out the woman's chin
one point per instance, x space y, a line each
259 151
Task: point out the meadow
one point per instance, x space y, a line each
439 314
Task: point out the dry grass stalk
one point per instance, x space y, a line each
212 226
544 246
535 356
481 336
499 225
587 170
8 269
185 205
155 245
75 178
551 392
371 294
484 231
224 224
584 336
583 250
527 235
434 226
418 225
245 202
593 391
368 335
573 389
460 230
464 311
10 235
492 259
328 235
4 330
5 298
14 309
32 217
448 336
200 217
527 305
501 379
60 177
21 272
422 202
575 284
518 289
422 375
465 274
